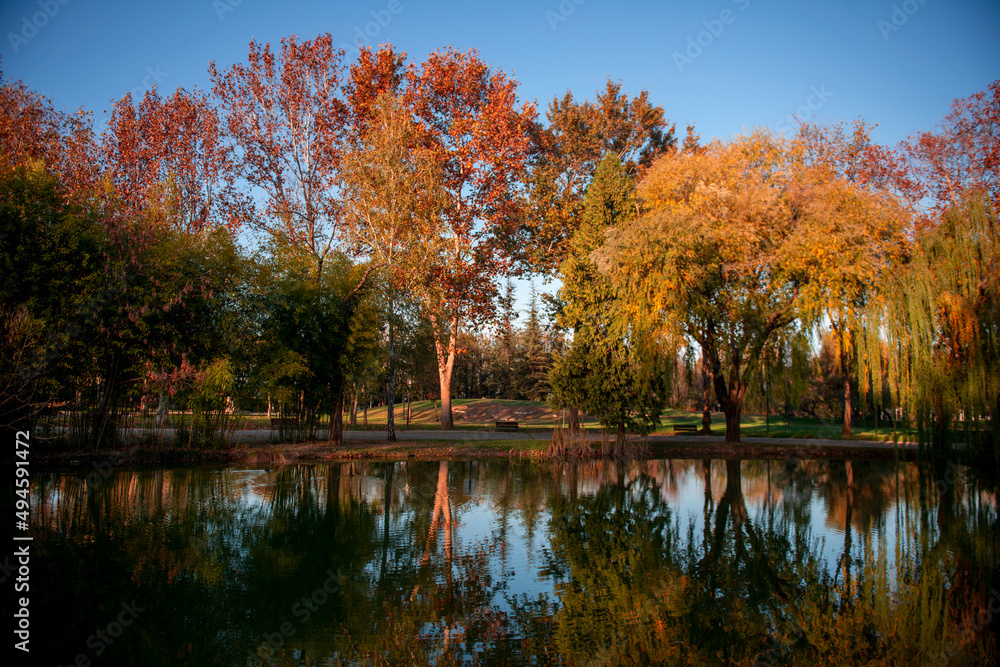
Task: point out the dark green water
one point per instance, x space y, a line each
598 563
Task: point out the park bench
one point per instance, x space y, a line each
284 422
507 425
685 428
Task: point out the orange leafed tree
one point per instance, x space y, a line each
33 130
285 115
856 192
168 151
480 138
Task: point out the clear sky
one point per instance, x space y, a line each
724 65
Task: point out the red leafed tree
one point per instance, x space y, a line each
851 154
480 138
374 74
167 155
285 115
963 155
32 129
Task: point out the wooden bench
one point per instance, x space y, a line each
685 428
284 422
506 425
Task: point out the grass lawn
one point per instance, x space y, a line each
480 415
538 416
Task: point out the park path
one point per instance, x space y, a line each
264 435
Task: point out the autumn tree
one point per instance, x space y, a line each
391 188
856 193
170 150
284 114
961 156
934 329
33 130
941 326
479 138
569 148
707 264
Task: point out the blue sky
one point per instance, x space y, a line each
724 65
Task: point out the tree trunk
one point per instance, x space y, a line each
572 419
446 364
390 404
102 416
731 399
161 411
706 407
844 372
409 407
337 416
354 408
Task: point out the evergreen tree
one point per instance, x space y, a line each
537 358
608 371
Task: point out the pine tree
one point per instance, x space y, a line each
608 371
537 358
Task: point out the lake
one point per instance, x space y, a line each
750 562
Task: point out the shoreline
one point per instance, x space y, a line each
437 445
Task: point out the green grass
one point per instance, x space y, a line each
756 426
424 416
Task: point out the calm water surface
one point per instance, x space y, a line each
497 562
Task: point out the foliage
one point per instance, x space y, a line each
962 156
569 150
610 371
937 327
479 139
171 149
33 130
283 115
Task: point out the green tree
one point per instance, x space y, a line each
610 371
51 257
536 359
937 327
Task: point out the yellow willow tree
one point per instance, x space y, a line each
729 254
855 192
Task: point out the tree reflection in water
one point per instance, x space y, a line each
658 562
